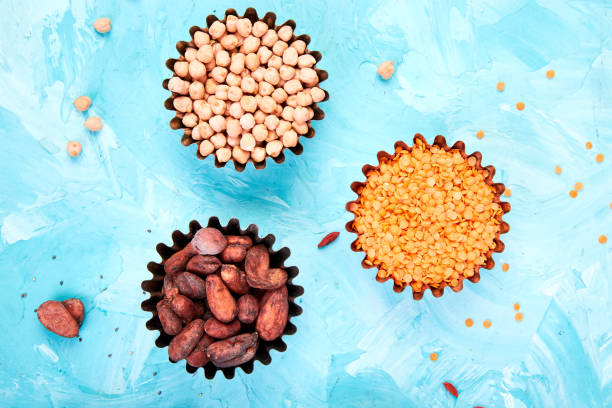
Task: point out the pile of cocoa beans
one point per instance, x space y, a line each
220 299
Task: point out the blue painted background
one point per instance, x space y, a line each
358 343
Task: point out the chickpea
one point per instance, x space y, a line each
248 103
286 72
231 23
196 90
292 101
386 70
244 27
283 126
218 74
251 61
247 142
190 54
217 47
250 45
176 85
233 79
274 148
285 33
258 74
216 29
300 128
102 25
229 42
217 123
259 28
293 86
190 120
218 140
73 148
216 105
247 121
260 117
279 48
290 139
197 70
202 131
258 154
82 103
281 83
279 95
264 54
260 132
306 61
301 115
210 66
275 62
237 65
271 123
181 68
269 38
221 92
265 89
223 154
240 155
240 40
202 109
182 104
222 58
235 110
234 93
206 148
200 39
309 77
211 86
303 99
287 113
290 56
233 127
299 45
234 140
317 94
271 136
94 123
248 85
271 76
278 110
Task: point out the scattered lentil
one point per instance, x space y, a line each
486 324
94 123
501 86
602 239
386 69
550 74
589 145
505 267
507 192
102 25
518 317
517 306
469 322
82 103
480 134
520 106
558 170
599 158
433 356
578 186
73 148
573 193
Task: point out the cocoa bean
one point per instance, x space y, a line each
209 241
198 357
177 262
220 300
228 352
236 249
183 343
218 330
235 279
183 307
248 309
170 289
190 285
247 356
57 319
75 308
272 278
170 322
203 264
257 260
273 314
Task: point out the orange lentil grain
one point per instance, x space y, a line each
603 239
611 205
550 74
505 267
578 186
599 158
520 106
558 170
589 145
486 324
573 193
480 134
469 322
517 306
518 317
433 356
508 192
501 86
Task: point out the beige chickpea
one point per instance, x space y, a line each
218 106
283 126
218 140
240 155
279 48
222 58
211 86
258 74
196 90
197 70
300 115
244 27
303 99
223 154
271 136
290 56
300 46
102 25
300 128
190 120
217 47
260 132
216 29
317 94
292 101
285 33
210 66
306 61
176 85
234 93
269 38
279 95
237 65
82 103
259 117
281 82
181 68
258 99
309 77
248 85
271 123
386 70
274 148
251 61
288 113
234 140
275 62
272 76
286 72
290 138
264 54
259 29
206 148
182 104
233 79
258 154
233 127
292 87
229 42
200 39
202 131
221 92
202 109
230 23
247 121
190 54
278 111
73 148
265 88
217 123
247 142
250 45
218 74
248 103
94 123
235 110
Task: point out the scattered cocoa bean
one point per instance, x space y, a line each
170 322
273 314
273 278
218 330
236 250
75 308
203 264
247 309
191 285
57 319
198 357
183 307
209 241
220 300
228 352
177 262
235 279
183 343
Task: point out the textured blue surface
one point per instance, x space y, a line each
358 343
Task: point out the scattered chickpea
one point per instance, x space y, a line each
82 103
578 186
301 115
602 239
260 131
293 86
558 170
237 64
234 93
240 155
177 85
73 148
292 101
287 113
211 86
217 106
216 30
501 86
94 123
300 128
222 59
244 27
268 104
234 128
264 54
285 33
206 148
102 25
224 154
304 99
286 72
279 95
599 158
386 70
279 48
248 85
271 123
271 136
218 123
309 76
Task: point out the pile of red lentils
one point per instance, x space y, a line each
245 90
427 217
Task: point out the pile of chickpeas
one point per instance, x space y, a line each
245 90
